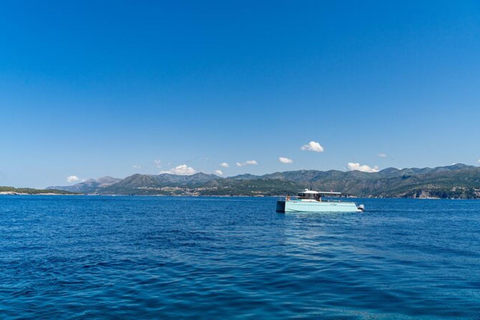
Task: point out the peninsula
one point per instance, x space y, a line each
31 191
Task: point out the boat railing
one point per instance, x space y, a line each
293 198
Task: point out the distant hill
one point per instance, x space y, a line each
450 181
89 186
455 181
31 191
158 184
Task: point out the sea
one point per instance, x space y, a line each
102 257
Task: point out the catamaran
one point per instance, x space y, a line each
311 201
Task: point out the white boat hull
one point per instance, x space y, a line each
316 206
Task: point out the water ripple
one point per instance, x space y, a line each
206 258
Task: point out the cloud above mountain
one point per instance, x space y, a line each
285 160
312 146
218 172
247 163
182 170
352 166
224 165
71 179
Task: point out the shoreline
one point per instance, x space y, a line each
12 193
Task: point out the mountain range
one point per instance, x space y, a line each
455 181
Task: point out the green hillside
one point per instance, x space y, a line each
456 181
12 190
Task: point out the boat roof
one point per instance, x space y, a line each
331 193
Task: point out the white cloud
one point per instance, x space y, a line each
182 170
247 163
158 163
285 160
478 160
224 165
219 172
382 155
71 179
312 146
136 166
363 168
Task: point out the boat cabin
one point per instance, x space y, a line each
316 195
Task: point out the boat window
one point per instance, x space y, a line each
308 196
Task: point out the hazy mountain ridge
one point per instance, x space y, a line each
89 186
458 181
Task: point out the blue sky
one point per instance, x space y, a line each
95 88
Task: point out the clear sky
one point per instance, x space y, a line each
95 88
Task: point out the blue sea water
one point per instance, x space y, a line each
81 257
